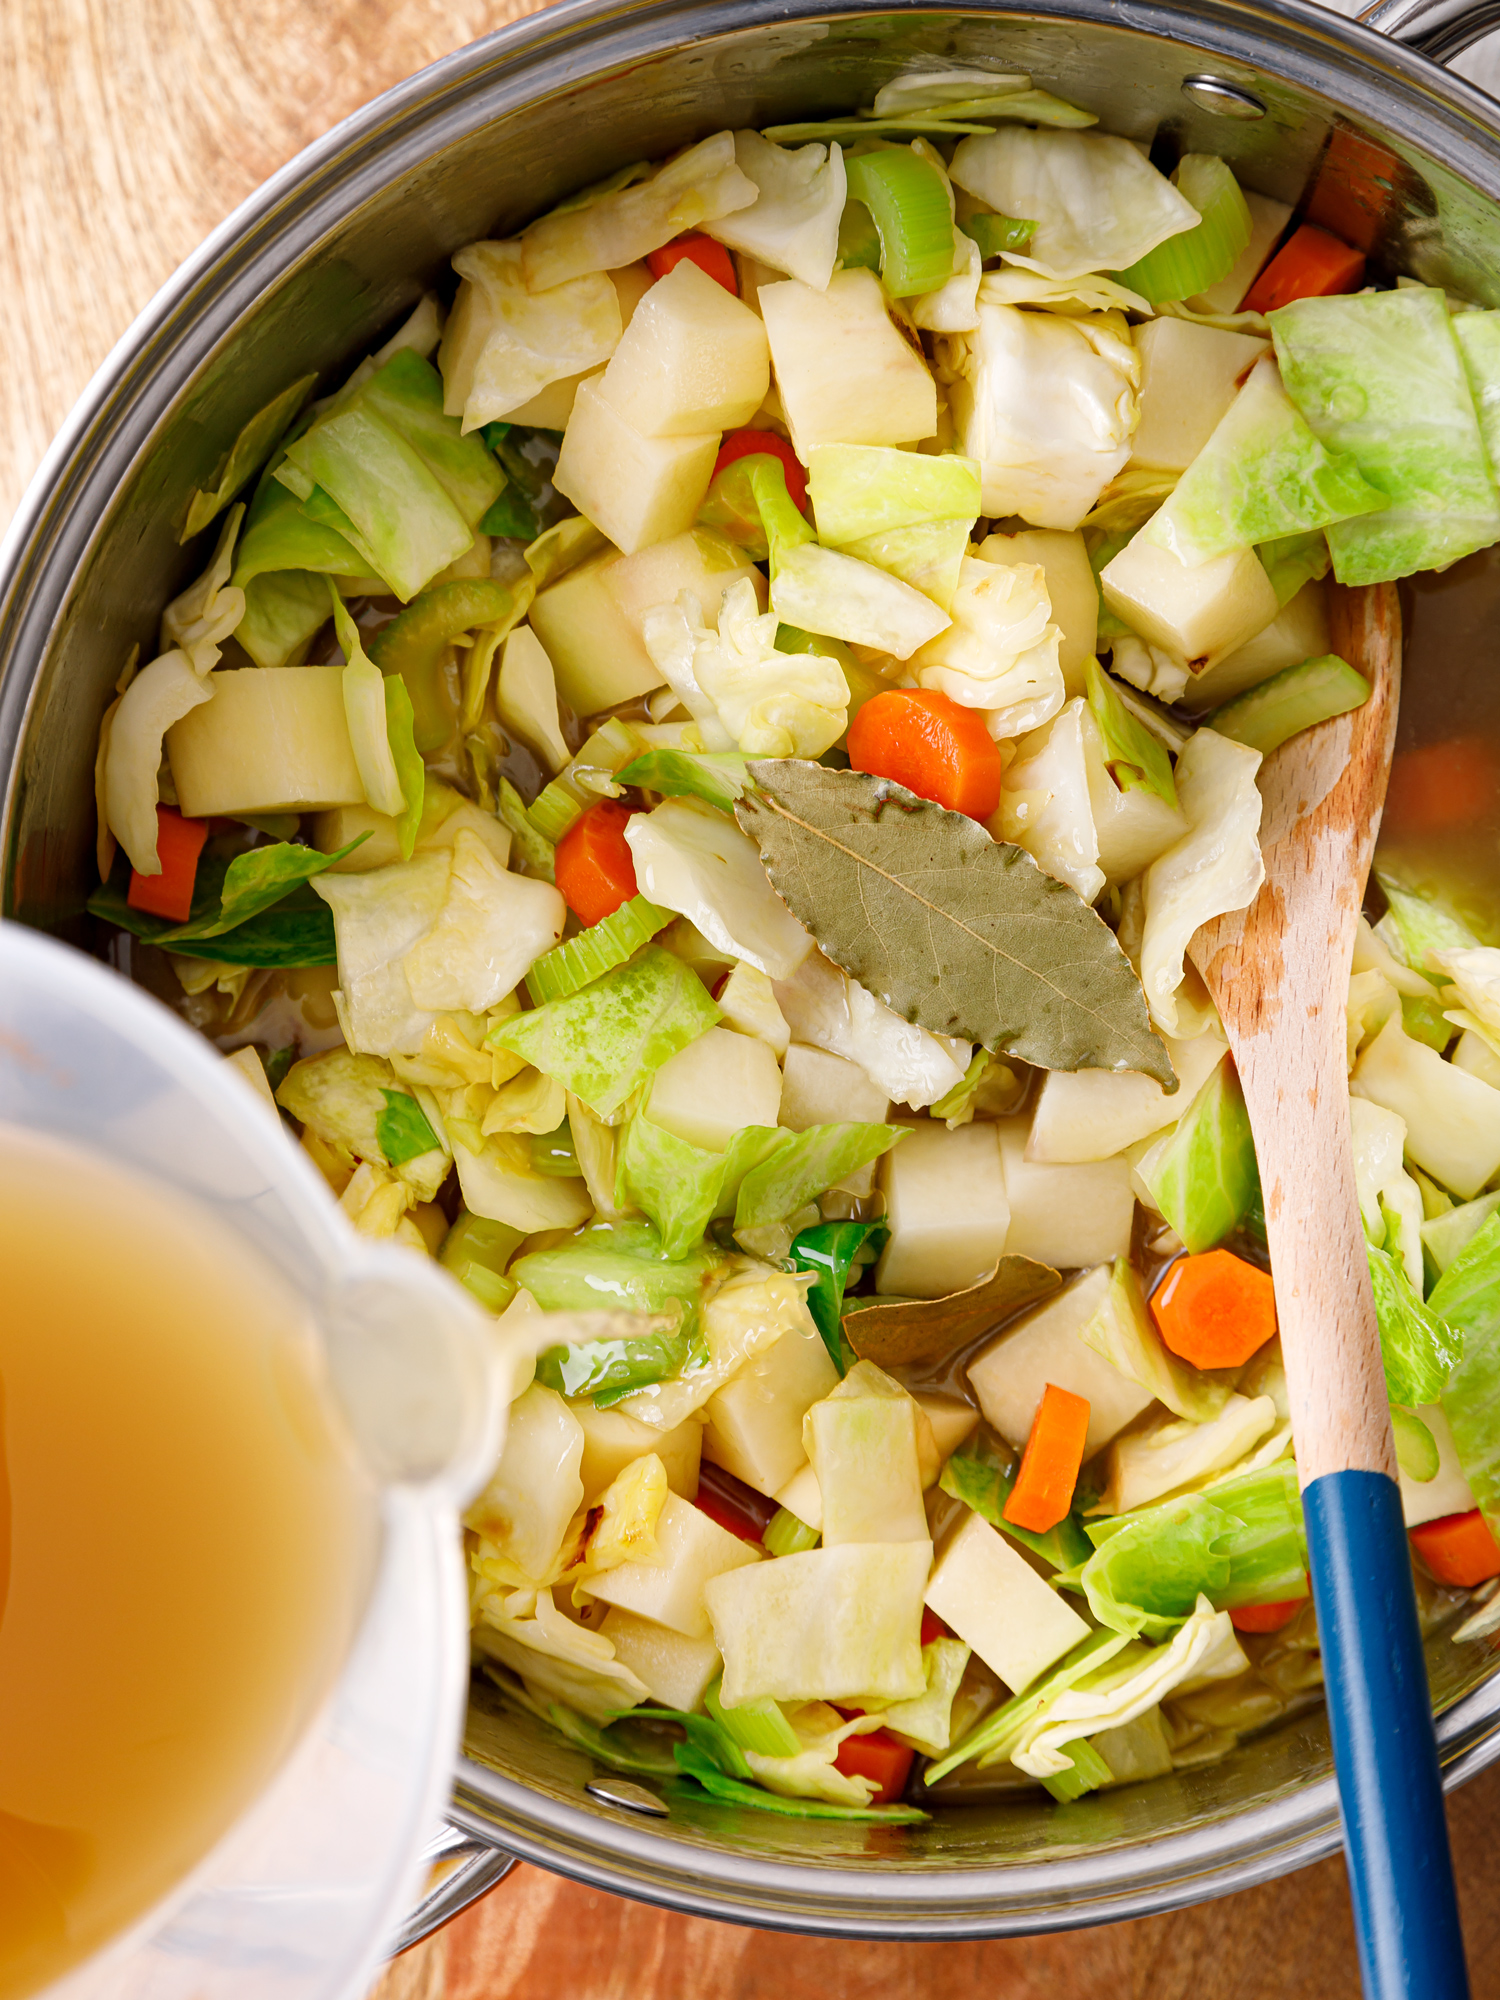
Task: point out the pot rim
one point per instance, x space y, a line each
113 424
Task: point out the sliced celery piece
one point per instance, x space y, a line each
760 1726
477 1250
1137 760
1425 1021
569 967
613 744
785 1535
1089 1772
535 849
908 198
1267 716
859 239
1190 262
718 777
997 233
554 1153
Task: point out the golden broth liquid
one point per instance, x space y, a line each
184 1546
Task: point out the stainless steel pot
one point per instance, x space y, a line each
306 276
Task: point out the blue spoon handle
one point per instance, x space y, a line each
1380 1718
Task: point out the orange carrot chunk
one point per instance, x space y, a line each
712 259
1458 1549
1443 785
1043 1491
1215 1310
1265 1617
179 842
932 745
595 868
1311 264
878 1756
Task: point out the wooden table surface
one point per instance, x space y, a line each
128 129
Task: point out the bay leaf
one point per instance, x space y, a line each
959 933
910 1333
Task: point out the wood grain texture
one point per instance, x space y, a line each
128 130
1279 972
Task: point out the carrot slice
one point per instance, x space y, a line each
1215 1310
595 868
712 259
878 1756
1265 1617
749 444
1311 264
1443 785
1356 188
932 745
1043 1491
933 1627
179 842
1458 1549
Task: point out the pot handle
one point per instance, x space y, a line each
1440 29
461 1867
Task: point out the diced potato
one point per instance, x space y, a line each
1199 614
1066 1216
590 622
1452 1118
693 1550
1447 1492
1070 586
864 1452
535 1490
1092 1114
1133 827
1189 375
830 1623
715 1086
611 1440
693 359
336 828
550 408
1475 1055
1267 220
994 1600
1009 1377
755 1421
946 1208
1298 632
271 740
637 490
950 1422
844 372
803 1497
747 1001
676 1671
822 1089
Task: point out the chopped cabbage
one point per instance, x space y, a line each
676 1184
824 591
1214 868
365 700
529 1102
523 1514
558 1659
930 85
691 859
825 1007
498 1182
160 695
793 224
1047 404
1384 1186
748 1313
929 556
1467 1297
867 489
926 1723
346 1100
1147 1465
1098 203
768 703
1000 654
812 1773
1452 1118
1012 286
954 306
202 618
1473 974
1123 1331
504 342
1152 669
492 928
1045 806
701 184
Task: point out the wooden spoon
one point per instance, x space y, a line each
1279 974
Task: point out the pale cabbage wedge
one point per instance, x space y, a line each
1123 1332
1098 203
1152 669
701 184
557 1659
747 1003
761 701
748 1313
1147 1465
859 490
824 1007
692 859
930 85
1473 998
1133 827
1215 868
1382 1182
497 1182
340 1096
1202 1650
1001 652
929 556
159 696
1045 806
1013 286
861 1440
365 712
926 1723
1047 405
953 307
503 343
1452 1118
828 1624
793 224
492 928
825 591
204 615
1092 1114
812 1773
523 1514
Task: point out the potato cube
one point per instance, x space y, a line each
693 1549
1067 1216
637 490
611 1440
590 622
845 373
1189 375
715 1086
1092 1114
534 1491
950 1422
803 1497
864 1451
693 359
822 1089
747 1002
994 1600
272 740
1009 1377
676 1671
1070 586
1298 632
1201 614
755 1421
946 1208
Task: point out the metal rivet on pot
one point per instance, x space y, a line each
1225 100
631 1798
